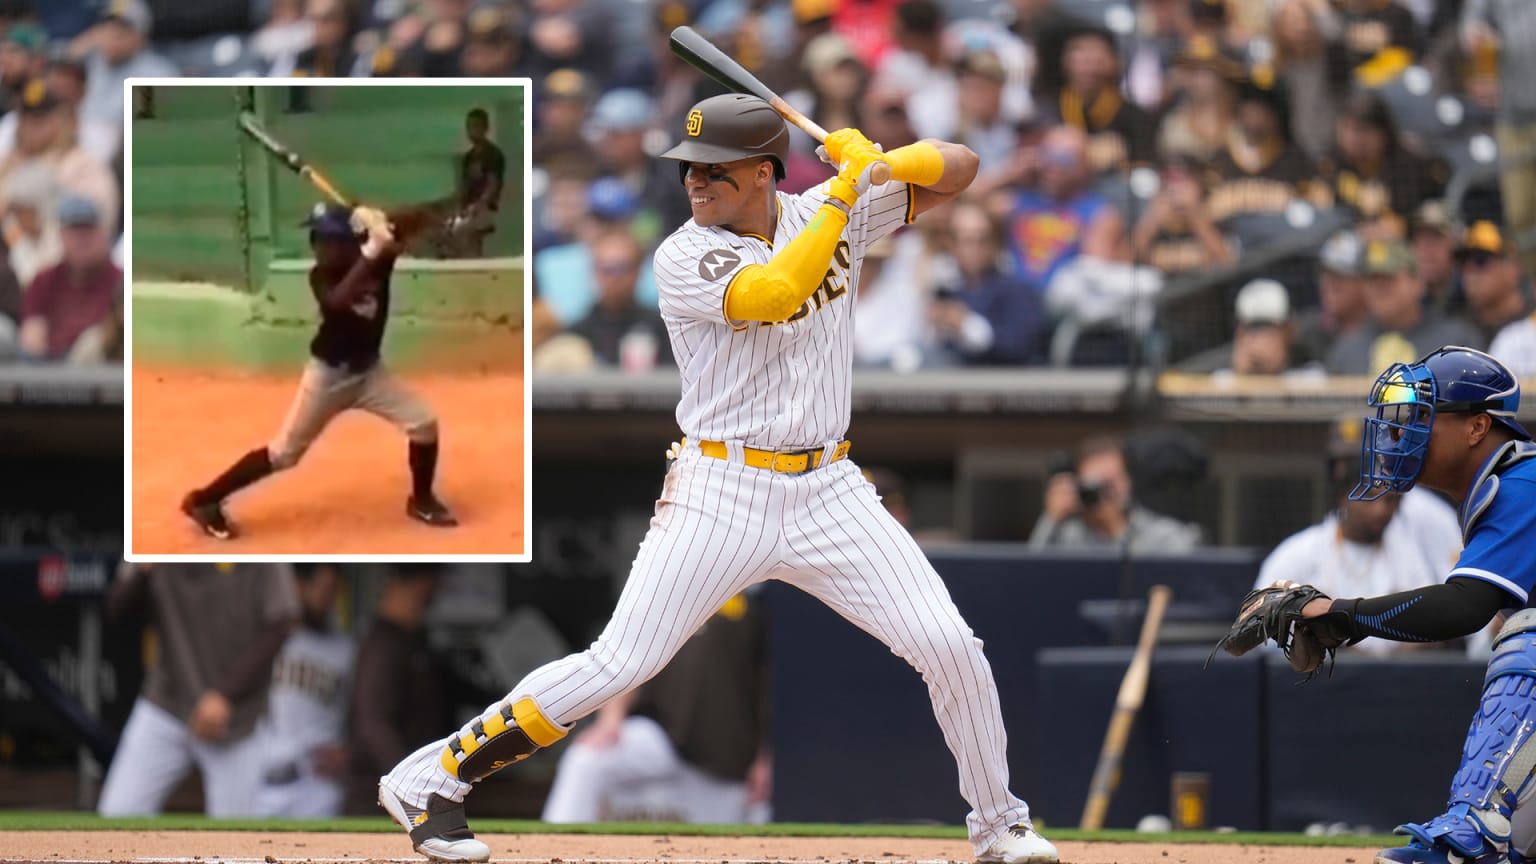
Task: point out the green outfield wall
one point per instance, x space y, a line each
218 254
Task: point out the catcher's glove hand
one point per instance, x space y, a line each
1274 614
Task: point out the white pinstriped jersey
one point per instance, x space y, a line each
782 386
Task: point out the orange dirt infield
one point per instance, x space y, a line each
348 494
254 848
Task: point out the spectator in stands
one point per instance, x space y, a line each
921 69
1434 240
44 139
1308 65
67 298
619 122
565 271
1371 173
1497 294
285 32
1380 39
30 226
1341 310
1175 233
493 49
987 316
560 110
114 51
891 327
1264 341
836 80
572 33
622 333
65 79
304 732
1092 506
1197 127
1508 28
982 124
689 745
1367 548
1399 329
1088 99
1060 217
1262 170
219 626
399 694
101 342
329 53
432 43
23 54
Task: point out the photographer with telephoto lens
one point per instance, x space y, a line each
1089 505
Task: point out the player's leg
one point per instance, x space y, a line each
852 555
323 393
714 533
1498 762
588 773
385 396
153 755
232 776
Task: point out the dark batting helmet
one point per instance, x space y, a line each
330 221
730 127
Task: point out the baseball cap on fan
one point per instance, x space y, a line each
77 211
134 13
1263 303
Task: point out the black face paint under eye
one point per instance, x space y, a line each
723 178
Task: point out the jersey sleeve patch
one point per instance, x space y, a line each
693 276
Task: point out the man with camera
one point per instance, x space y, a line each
1088 505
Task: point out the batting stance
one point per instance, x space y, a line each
1448 422
355 252
756 293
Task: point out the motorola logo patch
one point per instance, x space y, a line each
717 263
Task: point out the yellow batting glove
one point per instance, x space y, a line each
853 179
920 164
842 143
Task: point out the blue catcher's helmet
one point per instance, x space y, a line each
1406 398
331 221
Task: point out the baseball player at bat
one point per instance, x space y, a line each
355 252
757 294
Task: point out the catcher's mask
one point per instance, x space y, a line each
1452 380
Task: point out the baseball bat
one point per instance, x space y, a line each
1133 690
702 55
292 160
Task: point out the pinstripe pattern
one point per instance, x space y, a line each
721 527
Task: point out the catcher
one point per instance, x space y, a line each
1446 422
355 253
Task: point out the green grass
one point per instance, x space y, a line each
26 820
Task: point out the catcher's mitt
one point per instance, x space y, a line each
1274 614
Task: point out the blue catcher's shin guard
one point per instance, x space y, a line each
1499 757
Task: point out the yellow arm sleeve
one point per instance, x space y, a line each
921 164
774 291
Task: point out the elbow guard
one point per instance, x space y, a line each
776 290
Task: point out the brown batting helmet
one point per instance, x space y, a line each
730 127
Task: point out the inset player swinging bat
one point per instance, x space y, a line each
702 55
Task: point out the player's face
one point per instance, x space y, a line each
318 592
1366 521
717 192
475 128
335 253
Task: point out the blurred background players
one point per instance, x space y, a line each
689 745
482 177
304 732
216 630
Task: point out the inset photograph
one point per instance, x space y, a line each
325 320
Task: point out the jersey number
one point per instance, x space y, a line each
833 285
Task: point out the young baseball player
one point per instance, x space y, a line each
355 253
1447 422
756 292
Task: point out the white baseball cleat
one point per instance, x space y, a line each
1020 844
439 832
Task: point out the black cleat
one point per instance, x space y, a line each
209 517
430 511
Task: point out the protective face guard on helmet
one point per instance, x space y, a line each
1394 442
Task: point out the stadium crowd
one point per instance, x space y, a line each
1142 162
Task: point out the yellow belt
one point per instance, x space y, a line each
784 462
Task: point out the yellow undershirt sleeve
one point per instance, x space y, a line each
774 291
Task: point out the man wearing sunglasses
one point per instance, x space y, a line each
1498 294
1447 422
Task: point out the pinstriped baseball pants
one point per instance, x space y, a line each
720 527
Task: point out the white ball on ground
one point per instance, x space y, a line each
1154 823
